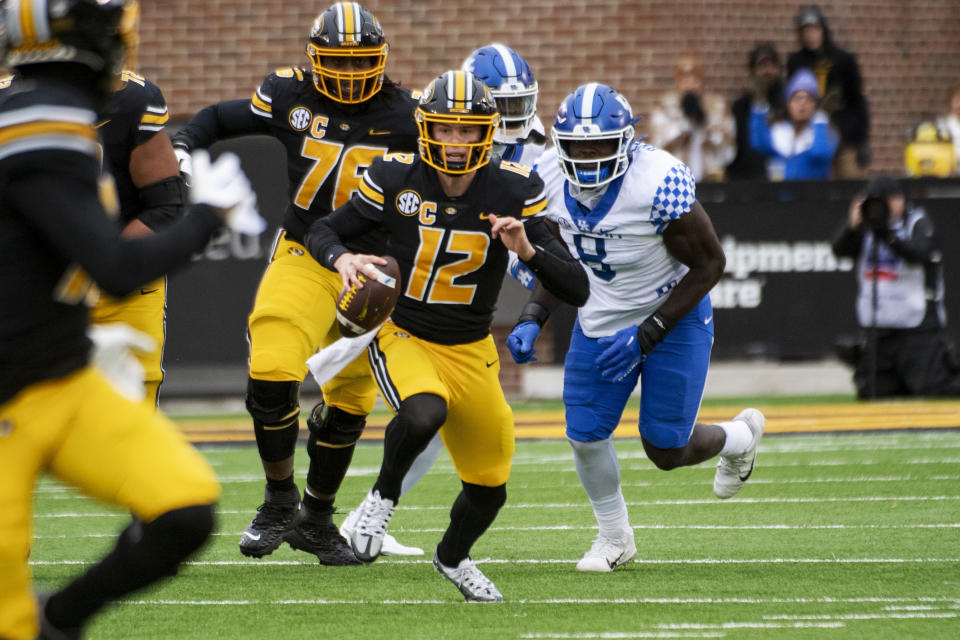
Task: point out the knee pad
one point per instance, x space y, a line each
334 426
485 499
275 409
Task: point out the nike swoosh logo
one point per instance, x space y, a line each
708 320
251 536
484 216
490 364
145 292
746 477
378 132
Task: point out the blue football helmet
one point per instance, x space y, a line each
512 86
594 112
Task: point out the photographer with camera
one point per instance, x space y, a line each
905 346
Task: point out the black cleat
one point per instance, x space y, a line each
316 534
279 513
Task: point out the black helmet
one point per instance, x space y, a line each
347 31
87 32
456 97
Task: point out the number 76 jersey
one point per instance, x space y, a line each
619 237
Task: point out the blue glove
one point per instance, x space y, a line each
621 356
520 341
521 272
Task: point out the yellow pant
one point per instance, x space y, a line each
80 430
294 314
478 432
146 311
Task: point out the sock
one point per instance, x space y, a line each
277 486
316 506
611 514
739 437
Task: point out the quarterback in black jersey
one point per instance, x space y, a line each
333 121
450 214
59 414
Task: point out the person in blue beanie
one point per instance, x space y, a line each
801 145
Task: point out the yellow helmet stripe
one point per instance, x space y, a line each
27 31
349 20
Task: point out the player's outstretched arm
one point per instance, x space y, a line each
559 272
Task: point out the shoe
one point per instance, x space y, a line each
367 539
733 471
279 513
474 586
608 553
48 631
316 534
390 547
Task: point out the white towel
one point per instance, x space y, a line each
331 360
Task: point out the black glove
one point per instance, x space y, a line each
692 109
652 331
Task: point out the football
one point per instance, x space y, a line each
360 310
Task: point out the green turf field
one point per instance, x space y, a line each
852 535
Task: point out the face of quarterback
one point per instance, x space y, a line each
451 135
349 89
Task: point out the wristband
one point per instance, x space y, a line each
534 312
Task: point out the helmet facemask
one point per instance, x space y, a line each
518 108
593 172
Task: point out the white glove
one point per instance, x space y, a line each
331 360
223 185
185 163
113 347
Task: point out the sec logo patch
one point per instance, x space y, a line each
408 202
300 118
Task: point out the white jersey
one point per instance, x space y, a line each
620 239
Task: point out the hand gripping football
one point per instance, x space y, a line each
361 310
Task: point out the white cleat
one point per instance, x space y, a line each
733 471
367 538
606 553
390 546
474 586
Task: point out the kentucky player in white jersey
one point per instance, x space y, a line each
629 211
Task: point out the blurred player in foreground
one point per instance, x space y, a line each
58 414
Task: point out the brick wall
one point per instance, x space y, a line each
210 50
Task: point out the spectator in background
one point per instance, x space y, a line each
950 122
906 350
695 126
929 152
801 145
841 87
766 76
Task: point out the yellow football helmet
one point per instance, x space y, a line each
456 97
348 52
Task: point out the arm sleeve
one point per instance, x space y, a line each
66 208
559 272
163 202
674 197
325 237
217 122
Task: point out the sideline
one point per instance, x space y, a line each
539 424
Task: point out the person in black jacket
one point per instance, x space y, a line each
766 75
906 349
841 86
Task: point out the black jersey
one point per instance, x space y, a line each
134 114
54 232
328 144
451 267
